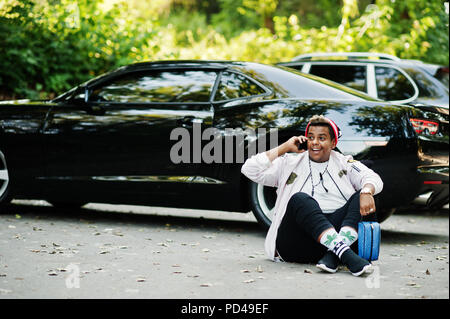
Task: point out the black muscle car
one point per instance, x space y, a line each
161 133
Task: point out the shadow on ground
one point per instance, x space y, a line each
50 213
402 237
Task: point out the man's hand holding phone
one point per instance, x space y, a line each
296 144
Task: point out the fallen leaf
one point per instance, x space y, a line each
259 268
248 281
206 285
245 270
308 271
427 272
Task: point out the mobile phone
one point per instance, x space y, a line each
303 146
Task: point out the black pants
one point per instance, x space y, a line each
303 223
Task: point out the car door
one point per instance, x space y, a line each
115 147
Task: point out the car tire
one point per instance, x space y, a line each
5 197
383 214
262 202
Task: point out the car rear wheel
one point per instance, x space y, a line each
383 214
262 202
4 182
263 198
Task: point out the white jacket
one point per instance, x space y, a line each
349 176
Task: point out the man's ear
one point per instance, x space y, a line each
333 143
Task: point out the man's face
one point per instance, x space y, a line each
320 143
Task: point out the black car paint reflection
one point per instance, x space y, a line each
108 139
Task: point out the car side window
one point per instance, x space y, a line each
353 76
233 85
392 85
162 86
298 66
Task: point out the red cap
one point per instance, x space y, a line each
333 126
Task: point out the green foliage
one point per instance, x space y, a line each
49 46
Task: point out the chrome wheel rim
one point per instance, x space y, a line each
4 176
265 207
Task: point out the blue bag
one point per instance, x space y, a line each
369 236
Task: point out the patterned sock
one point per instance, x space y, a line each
334 242
348 235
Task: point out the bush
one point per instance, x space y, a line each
49 46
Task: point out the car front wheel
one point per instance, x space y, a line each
4 181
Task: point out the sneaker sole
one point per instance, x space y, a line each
365 269
325 268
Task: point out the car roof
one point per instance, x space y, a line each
217 65
201 64
362 57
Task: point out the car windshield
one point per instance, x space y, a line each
288 82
